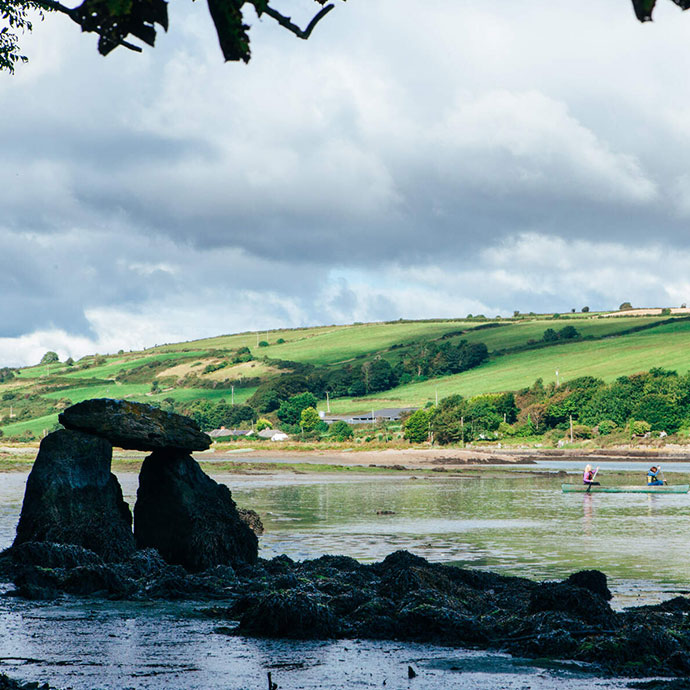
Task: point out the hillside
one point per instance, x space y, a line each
233 367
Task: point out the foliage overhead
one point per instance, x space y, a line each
118 21
115 21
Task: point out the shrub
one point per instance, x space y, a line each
640 428
49 357
581 431
263 343
262 424
606 426
280 341
625 306
341 431
666 311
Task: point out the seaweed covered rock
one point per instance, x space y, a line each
252 519
290 614
134 425
71 497
188 517
593 580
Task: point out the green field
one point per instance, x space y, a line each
607 349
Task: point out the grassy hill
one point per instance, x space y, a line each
210 369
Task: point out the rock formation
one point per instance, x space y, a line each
135 426
71 497
187 516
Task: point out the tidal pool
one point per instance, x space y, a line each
515 522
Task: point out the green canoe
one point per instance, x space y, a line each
643 489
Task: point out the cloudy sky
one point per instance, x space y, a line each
414 158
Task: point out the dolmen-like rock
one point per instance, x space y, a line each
135 426
72 497
188 517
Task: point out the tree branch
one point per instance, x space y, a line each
74 16
287 23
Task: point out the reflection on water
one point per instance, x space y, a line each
518 524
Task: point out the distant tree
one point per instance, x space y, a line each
550 336
666 311
69 362
263 423
625 306
50 357
572 310
416 426
341 431
309 419
447 425
568 333
155 386
585 310
516 312
290 411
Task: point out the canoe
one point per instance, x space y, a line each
643 489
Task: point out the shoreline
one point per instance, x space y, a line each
274 459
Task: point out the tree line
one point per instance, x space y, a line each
650 402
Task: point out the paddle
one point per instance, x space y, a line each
663 476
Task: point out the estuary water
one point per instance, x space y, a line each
516 522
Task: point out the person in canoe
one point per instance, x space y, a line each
653 478
589 476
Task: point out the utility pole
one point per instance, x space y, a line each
571 428
557 379
328 403
437 397
232 393
462 430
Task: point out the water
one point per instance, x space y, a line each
516 523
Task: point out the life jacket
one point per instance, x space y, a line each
652 478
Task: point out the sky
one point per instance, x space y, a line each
413 159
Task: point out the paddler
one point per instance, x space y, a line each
653 478
589 476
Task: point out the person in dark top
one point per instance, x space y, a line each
653 478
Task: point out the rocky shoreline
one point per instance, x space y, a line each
190 542
403 597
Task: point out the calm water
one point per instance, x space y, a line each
518 524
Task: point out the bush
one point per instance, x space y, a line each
280 341
262 424
581 431
341 431
666 311
640 428
606 426
625 306
263 343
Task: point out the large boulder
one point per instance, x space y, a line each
71 497
191 519
134 425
